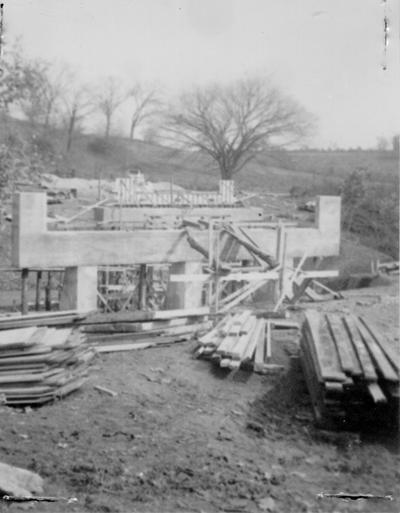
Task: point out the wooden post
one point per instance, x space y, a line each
210 260
217 266
142 287
47 301
38 283
24 291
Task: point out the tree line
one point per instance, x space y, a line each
231 123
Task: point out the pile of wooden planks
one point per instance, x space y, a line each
242 340
351 369
38 365
125 331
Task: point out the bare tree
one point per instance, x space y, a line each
145 104
108 100
233 124
77 106
55 82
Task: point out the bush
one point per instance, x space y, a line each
43 145
371 213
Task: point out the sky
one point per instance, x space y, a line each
327 54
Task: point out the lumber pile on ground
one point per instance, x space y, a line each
38 365
242 340
125 331
351 369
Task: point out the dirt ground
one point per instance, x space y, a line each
181 436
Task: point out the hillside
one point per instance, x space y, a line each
275 171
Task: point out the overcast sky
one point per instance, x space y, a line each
328 54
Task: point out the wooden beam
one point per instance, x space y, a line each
142 287
252 248
239 276
323 348
37 295
24 291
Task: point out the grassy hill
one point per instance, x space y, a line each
272 171
275 171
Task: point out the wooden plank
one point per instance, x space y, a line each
31 350
24 291
376 393
227 306
383 343
40 315
226 345
99 318
175 330
21 336
232 330
136 327
325 349
209 337
270 368
203 251
313 384
364 358
252 248
234 276
253 340
142 345
260 349
347 357
382 364
247 329
268 351
107 391
238 321
300 289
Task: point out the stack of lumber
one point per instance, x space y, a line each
57 318
351 368
125 331
38 365
242 340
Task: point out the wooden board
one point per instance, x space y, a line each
376 393
384 344
379 358
247 330
253 340
348 359
143 345
325 350
361 350
16 337
259 357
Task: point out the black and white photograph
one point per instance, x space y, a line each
199 256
